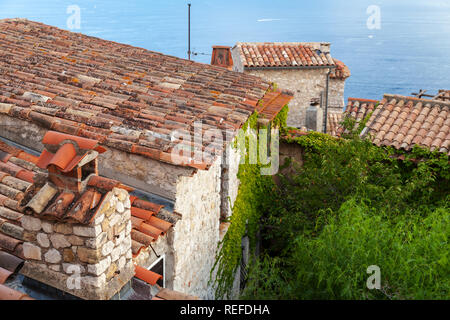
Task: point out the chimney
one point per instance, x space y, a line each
221 56
70 160
77 226
314 114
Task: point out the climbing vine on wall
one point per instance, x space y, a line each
247 210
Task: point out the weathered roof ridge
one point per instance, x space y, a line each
439 103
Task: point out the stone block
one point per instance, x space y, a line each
68 255
91 256
87 231
47 227
29 236
107 248
114 220
59 241
42 240
111 271
99 219
97 242
63 228
52 256
115 254
105 224
99 268
31 251
31 223
75 240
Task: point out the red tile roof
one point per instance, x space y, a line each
357 109
403 122
341 72
124 97
282 55
334 120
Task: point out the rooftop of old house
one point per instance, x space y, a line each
261 55
29 185
403 122
125 97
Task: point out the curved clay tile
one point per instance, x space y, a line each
26 175
141 213
150 230
59 206
142 238
146 205
4 275
159 223
107 184
27 157
11 294
146 275
10 262
81 210
8 243
55 138
136 247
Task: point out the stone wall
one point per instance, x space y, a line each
196 235
142 173
230 181
89 261
305 83
336 94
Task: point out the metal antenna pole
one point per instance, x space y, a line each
189 31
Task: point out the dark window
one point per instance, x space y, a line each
159 269
87 169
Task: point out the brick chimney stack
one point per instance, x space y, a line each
221 56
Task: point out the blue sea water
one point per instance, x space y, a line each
410 50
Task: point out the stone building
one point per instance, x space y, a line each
307 69
167 124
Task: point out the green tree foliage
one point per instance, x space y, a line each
352 205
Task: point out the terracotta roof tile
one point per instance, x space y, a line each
359 109
341 72
7 293
98 85
4 275
403 122
282 54
146 275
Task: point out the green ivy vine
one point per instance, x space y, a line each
246 211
